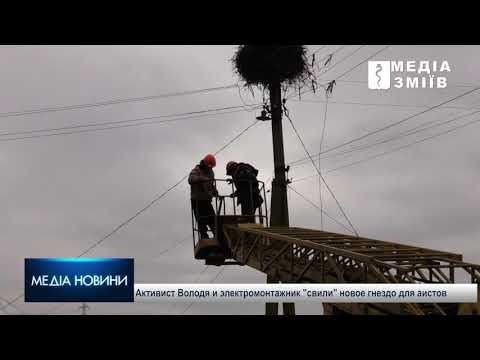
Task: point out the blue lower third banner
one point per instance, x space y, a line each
79 280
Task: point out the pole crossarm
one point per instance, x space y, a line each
292 254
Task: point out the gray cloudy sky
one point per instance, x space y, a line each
60 194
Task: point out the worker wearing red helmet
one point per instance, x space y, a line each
244 177
202 190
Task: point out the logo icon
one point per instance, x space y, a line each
79 280
379 75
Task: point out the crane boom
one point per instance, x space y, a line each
298 255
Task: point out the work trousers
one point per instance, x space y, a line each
205 216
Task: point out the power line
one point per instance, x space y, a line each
319 159
157 198
396 149
360 63
324 124
412 131
321 210
318 171
252 106
409 132
337 50
316 51
330 55
177 244
408 145
210 282
311 55
325 66
343 59
349 70
112 102
391 125
201 273
375 104
176 117
218 274
12 306
9 303
187 308
236 137
280 48
196 279
120 126
361 82
151 203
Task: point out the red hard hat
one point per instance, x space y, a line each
230 166
210 161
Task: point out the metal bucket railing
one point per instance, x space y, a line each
259 214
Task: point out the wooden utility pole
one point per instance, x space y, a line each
279 202
84 308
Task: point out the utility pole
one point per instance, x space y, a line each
84 308
279 201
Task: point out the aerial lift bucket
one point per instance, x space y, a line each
216 250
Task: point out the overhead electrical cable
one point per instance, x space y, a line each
150 204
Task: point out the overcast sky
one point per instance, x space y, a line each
60 194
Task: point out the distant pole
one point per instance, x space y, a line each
84 308
279 201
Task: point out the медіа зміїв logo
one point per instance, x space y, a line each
410 74
379 74
79 280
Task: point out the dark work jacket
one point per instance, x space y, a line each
202 190
245 179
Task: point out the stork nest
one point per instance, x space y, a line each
263 65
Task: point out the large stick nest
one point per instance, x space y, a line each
263 65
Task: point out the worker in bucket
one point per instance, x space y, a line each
244 177
202 190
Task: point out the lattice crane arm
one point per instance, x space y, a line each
296 255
